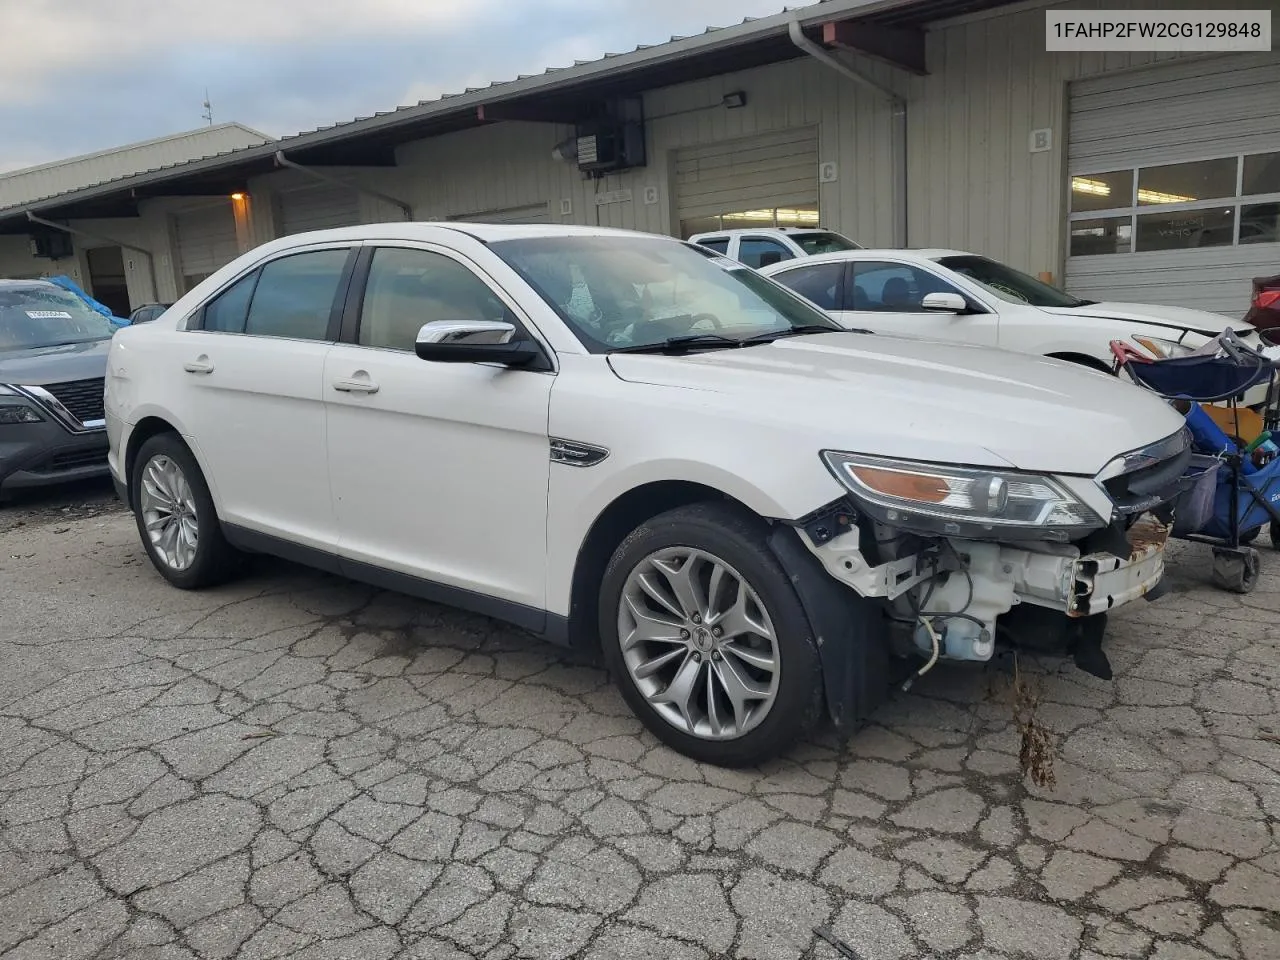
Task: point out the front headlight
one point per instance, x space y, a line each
1162 349
972 503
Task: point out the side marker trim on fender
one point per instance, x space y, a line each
573 453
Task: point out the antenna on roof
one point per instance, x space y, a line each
208 108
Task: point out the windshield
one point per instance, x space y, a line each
622 292
1009 284
47 316
815 243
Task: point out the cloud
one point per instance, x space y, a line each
84 75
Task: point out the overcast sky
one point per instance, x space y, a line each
84 75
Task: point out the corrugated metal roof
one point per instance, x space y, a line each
552 79
60 176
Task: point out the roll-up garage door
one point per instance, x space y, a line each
206 240
1175 183
319 207
531 213
718 182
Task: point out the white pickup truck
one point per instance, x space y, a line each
764 246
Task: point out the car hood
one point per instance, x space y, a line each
1174 318
73 361
921 399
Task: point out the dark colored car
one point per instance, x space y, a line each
53 363
1264 309
148 312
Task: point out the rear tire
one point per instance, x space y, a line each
706 638
176 518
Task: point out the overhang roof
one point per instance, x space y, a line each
557 91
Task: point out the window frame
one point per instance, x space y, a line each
353 306
1132 210
194 321
805 263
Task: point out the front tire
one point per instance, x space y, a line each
706 637
176 517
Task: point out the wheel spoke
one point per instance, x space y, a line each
739 689
648 668
652 590
760 659
737 621
679 692
649 629
684 587
720 578
714 720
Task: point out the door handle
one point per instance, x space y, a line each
201 364
355 386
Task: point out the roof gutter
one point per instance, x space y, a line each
283 161
897 103
151 260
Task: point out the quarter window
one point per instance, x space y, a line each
409 288
226 313
883 287
295 295
819 283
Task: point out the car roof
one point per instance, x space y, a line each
434 229
25 284
734 231
928 253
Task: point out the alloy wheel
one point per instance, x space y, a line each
698 643
169 512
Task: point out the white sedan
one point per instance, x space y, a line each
627 442
953 295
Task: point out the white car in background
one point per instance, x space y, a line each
763 246
627 442
953 295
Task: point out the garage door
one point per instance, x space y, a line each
531 213
206 240
763 180
1175 183
320 207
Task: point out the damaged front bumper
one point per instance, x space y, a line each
964 587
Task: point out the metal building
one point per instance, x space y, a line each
940 123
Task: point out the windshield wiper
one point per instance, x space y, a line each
688 341
803 330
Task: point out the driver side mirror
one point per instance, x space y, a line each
475 341
945 303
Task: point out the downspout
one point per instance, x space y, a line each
897 103
283 161
151 260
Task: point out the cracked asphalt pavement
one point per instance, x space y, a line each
299 766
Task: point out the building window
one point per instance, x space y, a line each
1260 223
1217 202
1101 235
1102 191
1185 229
794 216
1187 182
1261 174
